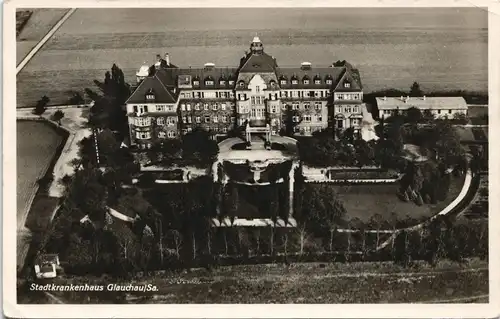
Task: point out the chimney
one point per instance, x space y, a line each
167 59
424 97
385 98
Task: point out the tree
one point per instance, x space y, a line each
198 146
415 90
58 115
41 105
414 115
321 209
292 120
76 99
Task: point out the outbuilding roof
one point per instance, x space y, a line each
423 103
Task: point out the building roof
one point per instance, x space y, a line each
433 103
258 62
157 84
185 76
164 80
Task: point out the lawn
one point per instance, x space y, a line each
365 201
37 144
300 283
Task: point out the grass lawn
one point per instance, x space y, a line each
364 201
301 283
37 143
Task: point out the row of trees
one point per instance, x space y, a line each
195 148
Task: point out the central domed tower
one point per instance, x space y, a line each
256 46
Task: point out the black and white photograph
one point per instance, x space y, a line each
250 155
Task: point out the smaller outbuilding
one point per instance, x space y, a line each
440 107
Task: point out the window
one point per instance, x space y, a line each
207 119
295 93
143 135
224 130
188 107
205 106
273 109
183 107
215 119
317 93
284 107
307 118
198 119
184 119
295 82
222 82
329 82
317 81
242 84
307 129
295 106
170 108
439 111
257 89
160 121
196 82
214 107
223 119
197 95
209 82
355 121
347 84
187 95
306 81
190 119
142 121
150 96
171 134
172 120
449 111
317 106
387 111
233 118
295 119
231 82
160 108
319 118
197 106
283 82
161 134
307 106
223 106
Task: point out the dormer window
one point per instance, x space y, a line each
283 82
242 84
150 96
347 84
329 81
222 82
294 81
317 81
209 82
273 84
231 82
196 82
306 81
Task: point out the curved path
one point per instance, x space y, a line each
457 201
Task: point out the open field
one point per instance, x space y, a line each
40 22
364 201
22 17
301 283
37 144
392 50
